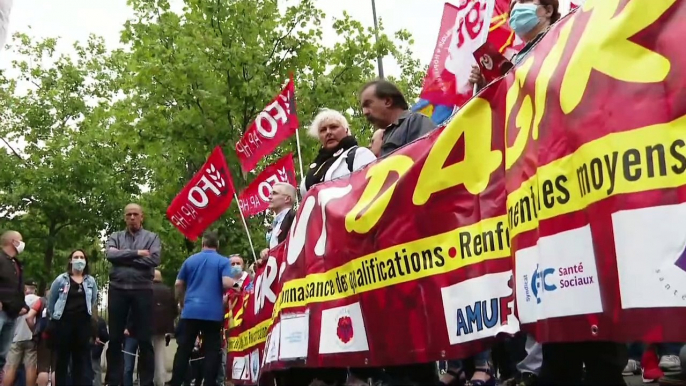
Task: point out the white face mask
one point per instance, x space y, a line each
78 264
20 247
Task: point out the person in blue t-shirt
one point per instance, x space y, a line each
200 287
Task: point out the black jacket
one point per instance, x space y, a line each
164 310
104 337
11 285
286 226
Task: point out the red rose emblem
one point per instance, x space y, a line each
344 331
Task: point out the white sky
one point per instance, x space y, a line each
74 20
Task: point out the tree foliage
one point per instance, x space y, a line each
99 126
65 177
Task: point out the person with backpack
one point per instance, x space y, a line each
339 155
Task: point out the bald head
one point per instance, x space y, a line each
133 215
282 197
12 243
377 141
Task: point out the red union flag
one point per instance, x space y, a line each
255 198
204 199
464 27
273 125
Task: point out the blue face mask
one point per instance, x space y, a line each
78 265
236 270
523 18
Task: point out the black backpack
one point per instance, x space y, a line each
350 158
41 321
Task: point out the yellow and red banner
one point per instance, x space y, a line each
554 202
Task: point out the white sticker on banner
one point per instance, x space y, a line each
238 368
273 348
267 342
558 277
479 308
343 330
254 365
295 333
650 244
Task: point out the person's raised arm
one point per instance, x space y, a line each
151 257
114 254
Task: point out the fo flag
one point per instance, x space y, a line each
204 199
273 125
255 198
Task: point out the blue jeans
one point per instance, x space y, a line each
6 335
130 350
221 374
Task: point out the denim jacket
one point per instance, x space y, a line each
60 290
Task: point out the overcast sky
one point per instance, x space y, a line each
74 20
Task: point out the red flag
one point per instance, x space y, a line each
204 199
255 198
273 125
464 28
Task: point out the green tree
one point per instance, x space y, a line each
196 79
64 177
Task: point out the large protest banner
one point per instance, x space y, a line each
569 172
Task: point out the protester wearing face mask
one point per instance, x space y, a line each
71 306
12 302
233 300
530 20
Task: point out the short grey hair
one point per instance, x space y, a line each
289 189
323 116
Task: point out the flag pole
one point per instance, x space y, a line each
245 225
379 60
300 157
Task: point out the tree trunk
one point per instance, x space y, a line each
47 260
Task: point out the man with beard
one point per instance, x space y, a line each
386 108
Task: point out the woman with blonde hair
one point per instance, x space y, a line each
339 155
